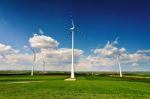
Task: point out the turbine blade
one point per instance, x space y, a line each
32 50
34 57
72 23
40 31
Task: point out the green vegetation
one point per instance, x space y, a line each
101 86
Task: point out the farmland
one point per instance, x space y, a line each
54 86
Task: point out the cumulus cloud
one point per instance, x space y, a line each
143 51
52 55
101 61
135 64
42 41
122 50
16 61
6 49
109 49
106 56
60 56
19 59
49 51
11 56
101 57
62 51
57 58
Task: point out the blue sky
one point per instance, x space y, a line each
99 20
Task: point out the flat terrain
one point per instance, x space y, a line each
85 87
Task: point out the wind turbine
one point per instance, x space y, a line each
72 76
44 62
92 63
40 32
34 59
118 55
72 64
118 61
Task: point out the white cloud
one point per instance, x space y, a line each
13 59
42 41
101 61
122 50
135 64
19 59
49 52
54 57
25 47
139 57
143 51
60 58
108 50
106 56
6 49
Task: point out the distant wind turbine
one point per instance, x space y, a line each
92 64
118 55
118 61
34 59
43 63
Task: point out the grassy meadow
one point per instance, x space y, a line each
54 86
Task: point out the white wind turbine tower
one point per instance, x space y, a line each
118 56
72 65
118 61
72 77
40 32
34 59
93 61
92 64
44 66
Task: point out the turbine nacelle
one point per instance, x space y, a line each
73 26
72 29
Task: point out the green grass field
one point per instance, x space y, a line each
85 87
